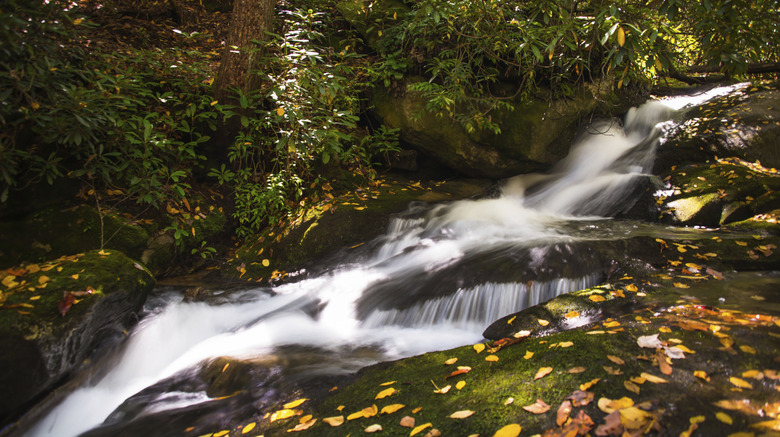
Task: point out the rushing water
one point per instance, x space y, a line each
434 281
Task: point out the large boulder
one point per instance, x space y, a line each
57 314
532 137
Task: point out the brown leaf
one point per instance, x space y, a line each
538 407
407 422
581 398
616 360
563 412
663 364
64 305
611 425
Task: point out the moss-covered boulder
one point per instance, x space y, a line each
533 136
339 223
56 314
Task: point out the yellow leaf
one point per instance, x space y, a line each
75 276
213 102
616 360
528 355
266 262
461 414
305 418
611 324
420 428
773 425
741 383
416 410
357 415
723 417
630 386
451 361
543 322
479 347
248 428
373 428
755 374
103 252
392 408
385 384
9 282
460 385
509 322
280 111
652 378
544 371
632 288
747 349
385 393
295 403
621 36
665 329
221 433
596 298
491 358
282 414
334 421
701 374
443 390
681 285
565 344
370 411
589 384
512 430
571 314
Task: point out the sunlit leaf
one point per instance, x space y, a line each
295 403
373 428
755 374
491 358
543 322
630 386
597 298
773 425
407 422
451 361
282 414
544 371
616 360
417 429
723 417
460 385
521 334
565 344
589 384
632 288
479 347
611 324
528 355
392 408
747 349
512 319
741 383
461 414
652 378
562 415
461 370
701 374
248 428
512 430
303 425
385 393
509 400
443 390
649 341
356 415
539 407
370 411
385 384
572 314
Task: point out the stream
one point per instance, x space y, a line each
438 277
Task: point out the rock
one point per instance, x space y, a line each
704 210
533 136
47 345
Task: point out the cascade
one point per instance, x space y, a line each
435 281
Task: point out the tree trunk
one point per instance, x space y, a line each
251 19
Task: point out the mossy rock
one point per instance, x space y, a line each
56 314
54 232
533 136
339 223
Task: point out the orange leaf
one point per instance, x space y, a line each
539 407
544 371
563 413
461 370
512 430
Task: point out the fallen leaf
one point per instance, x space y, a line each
443 390
295 403
407 422
334 421
543 322
630 386
373 428
479 347
589 384
755 374
652 378
576 370
370 411
303 425
747 349
723 417
649 341
392 408
681 285
562 415
701 374
571 314
632 288
611 324
512 430
385 393
356 415
616 360
461 370
612 425
544 371
663 364
248 428
539 407
772 425
580 398
597 298
461 414
420 428
460 385
282 414
491 358
385 384
521 334
451 361
565 344
741 383
509 401
528 355
509 322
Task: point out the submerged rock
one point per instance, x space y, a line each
55 315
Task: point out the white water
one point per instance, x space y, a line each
528 213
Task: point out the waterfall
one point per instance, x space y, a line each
435 281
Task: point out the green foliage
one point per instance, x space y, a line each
486 54
299 126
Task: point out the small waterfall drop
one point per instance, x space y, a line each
414 294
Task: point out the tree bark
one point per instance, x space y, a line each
250 20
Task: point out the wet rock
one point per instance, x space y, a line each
57 314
